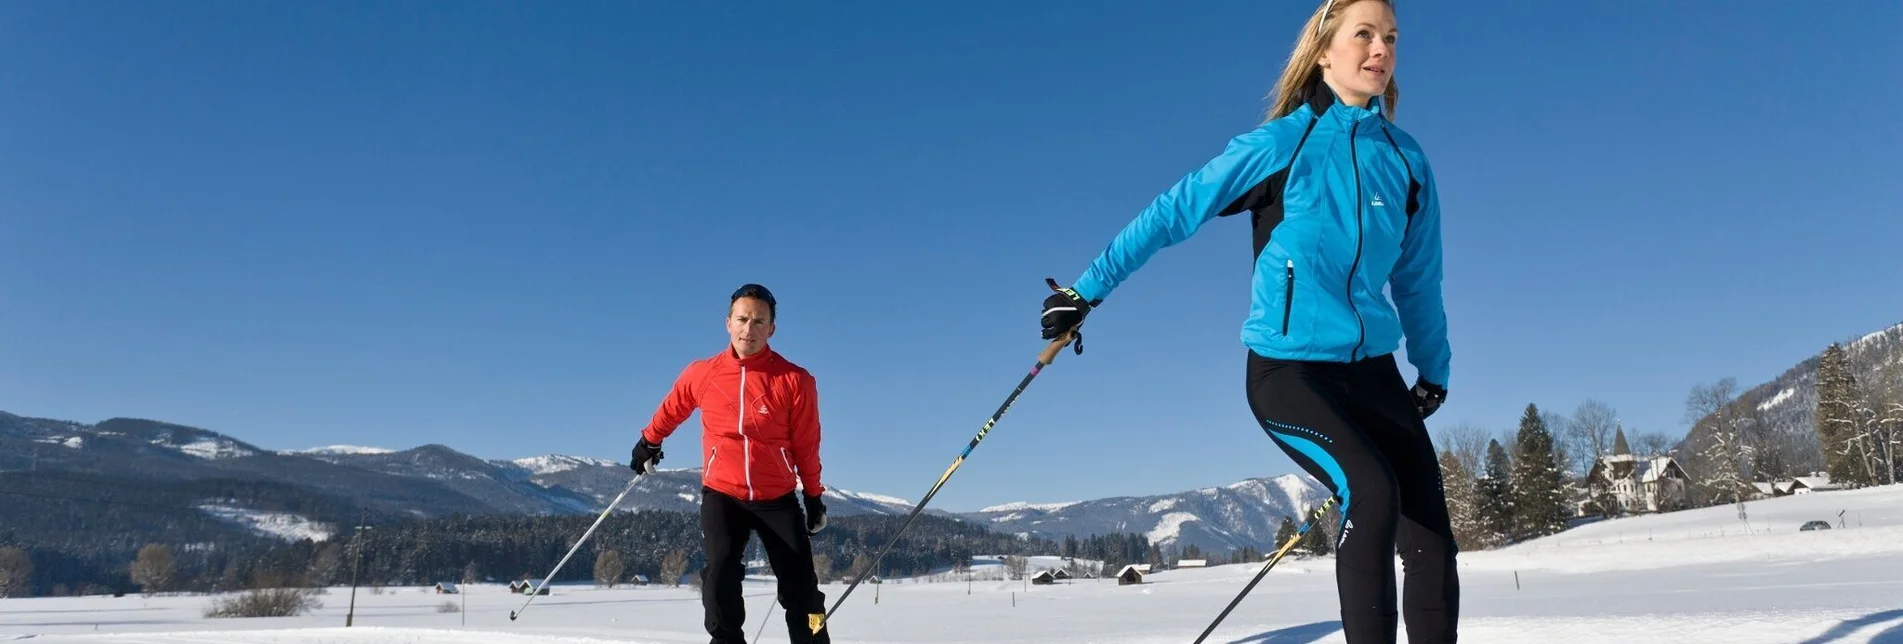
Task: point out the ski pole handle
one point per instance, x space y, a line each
1049 354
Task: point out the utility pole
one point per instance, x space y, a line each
356 540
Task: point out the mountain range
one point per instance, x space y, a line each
189 480
161 464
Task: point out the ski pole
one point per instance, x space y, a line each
1310 523
571 551
763 622
1044 358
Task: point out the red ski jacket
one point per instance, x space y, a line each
759 423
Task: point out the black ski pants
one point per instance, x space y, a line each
726 523
1354 427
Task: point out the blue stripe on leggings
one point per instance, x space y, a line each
1320 456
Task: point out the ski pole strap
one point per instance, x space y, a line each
1074 336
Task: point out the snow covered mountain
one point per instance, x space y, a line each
436 480
1216 519
1786 405
679 489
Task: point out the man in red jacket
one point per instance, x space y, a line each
759 439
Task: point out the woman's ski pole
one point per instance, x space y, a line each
1312 519
1044 358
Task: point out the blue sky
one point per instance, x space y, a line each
506 227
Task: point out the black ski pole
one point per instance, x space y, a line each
1044 358
571 551
1310 523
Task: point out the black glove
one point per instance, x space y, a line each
815 514
1063 311
646 456
1428 397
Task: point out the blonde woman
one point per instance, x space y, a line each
1342 202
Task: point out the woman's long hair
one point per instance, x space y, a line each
1304 70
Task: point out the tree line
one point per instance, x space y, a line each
661 546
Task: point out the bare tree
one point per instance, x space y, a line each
16 571
823 567
861 566
608 568
327 565
673 566
1589 433
1709 398
1709 404
154 568
1651 444
1468 442
1890 422
1014 566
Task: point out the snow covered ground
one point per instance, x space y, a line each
1694 576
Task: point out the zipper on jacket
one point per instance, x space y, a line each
787 461
740 424
712 453
1288 296
1354 161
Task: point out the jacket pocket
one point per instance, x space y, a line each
712 453
786 461
1288 295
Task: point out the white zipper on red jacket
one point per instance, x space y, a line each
746 446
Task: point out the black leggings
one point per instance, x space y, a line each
1354 427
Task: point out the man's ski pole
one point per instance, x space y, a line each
1313 518
1044 358
571 551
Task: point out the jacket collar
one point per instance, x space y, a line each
1323 102
765 355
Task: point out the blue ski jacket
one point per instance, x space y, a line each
1342 202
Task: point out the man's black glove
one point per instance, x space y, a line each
815 514
646 456
1428 397
1063 311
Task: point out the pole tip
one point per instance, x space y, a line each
511 616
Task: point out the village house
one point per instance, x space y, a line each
1638 484
1815 482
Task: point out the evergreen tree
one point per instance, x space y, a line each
1495 492
1726 450
1836 415
1285 532
1539 497
1320 539
1462 502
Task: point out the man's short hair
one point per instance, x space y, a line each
758 292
